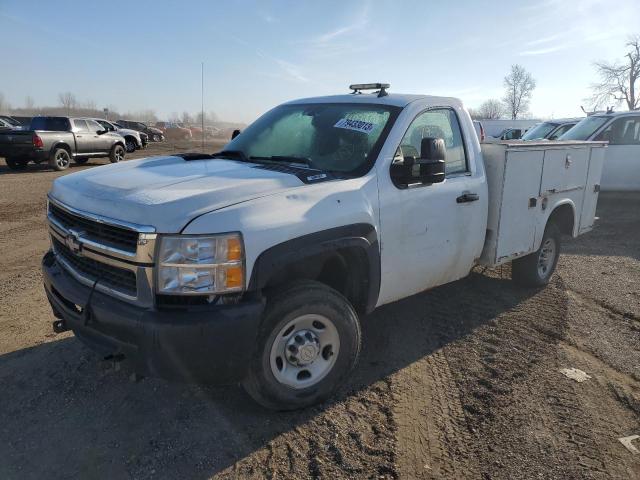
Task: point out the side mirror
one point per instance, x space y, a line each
235 133
102 132
428 169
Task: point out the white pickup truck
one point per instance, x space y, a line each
257 264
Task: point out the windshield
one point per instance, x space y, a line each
338 137
540 131
585 128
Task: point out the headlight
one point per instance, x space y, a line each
201 265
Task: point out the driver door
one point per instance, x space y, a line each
430 233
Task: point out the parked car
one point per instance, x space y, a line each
258 263
133 138
622 159
58 140
9 123
550 130
154 134
23 121
495 128
479 130
174 131
4 125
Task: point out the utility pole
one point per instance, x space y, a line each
202 100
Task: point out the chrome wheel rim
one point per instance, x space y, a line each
304 351
62 159
546 257
119 154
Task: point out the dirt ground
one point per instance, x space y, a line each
459 382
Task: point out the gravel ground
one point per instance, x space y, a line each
459 382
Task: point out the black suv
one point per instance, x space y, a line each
154 134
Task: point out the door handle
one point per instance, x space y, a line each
467 197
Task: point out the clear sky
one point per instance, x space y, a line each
136 55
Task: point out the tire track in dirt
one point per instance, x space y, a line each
432 434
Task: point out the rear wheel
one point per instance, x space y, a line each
16 163
156 137
60 159
117 154
536 269
308 343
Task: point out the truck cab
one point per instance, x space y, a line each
258 263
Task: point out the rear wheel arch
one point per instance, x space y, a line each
58 145
346 259
564 217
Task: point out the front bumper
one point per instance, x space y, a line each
212 344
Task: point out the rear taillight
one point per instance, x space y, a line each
37 141
481 133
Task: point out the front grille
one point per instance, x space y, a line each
117 278
100 232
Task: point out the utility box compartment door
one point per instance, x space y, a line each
588 213
564 169
517 224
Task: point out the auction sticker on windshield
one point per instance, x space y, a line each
357 125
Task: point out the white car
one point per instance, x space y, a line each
551 129
621 169
258 264
133 138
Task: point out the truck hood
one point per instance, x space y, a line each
167 192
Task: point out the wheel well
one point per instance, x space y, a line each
564 218
61 145
345 270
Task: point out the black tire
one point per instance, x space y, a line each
286 306
156 137
529 271
16 163
60 159
81 161
117 153
130 145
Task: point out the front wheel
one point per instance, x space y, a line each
16 163
60 159
156 137
536 269
308 343
117 154
130 145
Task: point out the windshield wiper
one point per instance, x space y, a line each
288 158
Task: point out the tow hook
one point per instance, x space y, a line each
60 326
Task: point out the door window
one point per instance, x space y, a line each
80 125
623 131
95 126
436 123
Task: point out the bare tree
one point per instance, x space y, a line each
29 102
90 105
618 81
186 118
491 109
518 85
4 105
68 101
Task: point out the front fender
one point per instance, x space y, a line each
275 219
